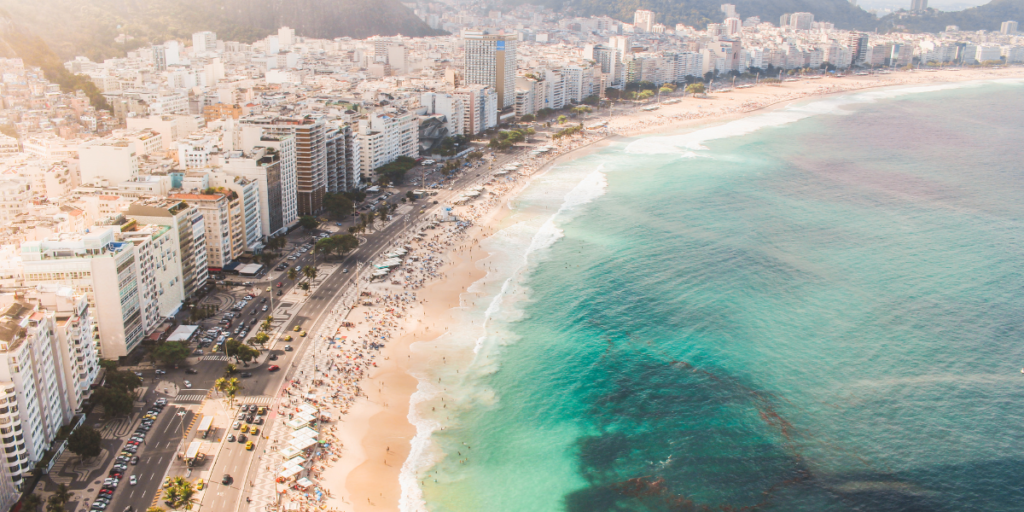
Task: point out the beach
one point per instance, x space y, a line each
374 436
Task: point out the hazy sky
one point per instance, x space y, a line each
945 5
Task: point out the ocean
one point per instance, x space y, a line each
817 308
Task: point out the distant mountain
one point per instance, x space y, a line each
984 17
699 13
89 27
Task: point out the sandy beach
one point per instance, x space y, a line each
372 430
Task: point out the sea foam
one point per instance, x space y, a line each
511 252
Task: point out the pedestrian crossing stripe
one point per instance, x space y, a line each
256 400
190 398
214 358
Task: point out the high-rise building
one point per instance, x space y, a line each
643 20
730 11
491 61
450 107
224 216
733 26
159 57
188 233
801 20
31 385
918 5
385 136
1008 28
858 44
310 155
103 268
204 42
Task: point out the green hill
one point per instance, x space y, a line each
699 13
985 17
89 27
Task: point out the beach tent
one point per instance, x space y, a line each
305 432
291 471
296 423
288 452
302 444
304 483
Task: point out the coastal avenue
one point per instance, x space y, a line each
241 464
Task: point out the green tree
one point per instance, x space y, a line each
695 88
229 387
123 380
155 509
63 494
528 118
562 119
171 352
86 442
308 222
239 351
310 273
31 502
293 274
53 504
230 369
645 95
325 246
116 402
261 338
338 205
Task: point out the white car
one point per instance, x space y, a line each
188 384
132 480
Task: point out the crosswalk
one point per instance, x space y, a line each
190 396
214 358
255 400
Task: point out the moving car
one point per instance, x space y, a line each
273 368
226 480
188 384
249 445
133 480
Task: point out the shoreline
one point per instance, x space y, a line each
377 433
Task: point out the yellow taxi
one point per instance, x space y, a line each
296 328
200 484
254 431
245 429
303 334
248 445
167 482
288 338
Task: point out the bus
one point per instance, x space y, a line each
206 426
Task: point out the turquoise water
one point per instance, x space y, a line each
817 309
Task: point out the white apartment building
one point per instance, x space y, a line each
448 106
30 401
101 267
204 42
158 263
170 127
9 145
385 136
643 20
188 232
194 152
77 351
490 60
263 166
221 245
109 160
246 211
15 193
988 52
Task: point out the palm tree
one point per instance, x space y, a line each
265 325
154 509
293 274
229 369
229 387
63 494
31 502
261 338
53 504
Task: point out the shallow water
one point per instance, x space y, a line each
812 309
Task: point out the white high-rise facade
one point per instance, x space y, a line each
490 60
